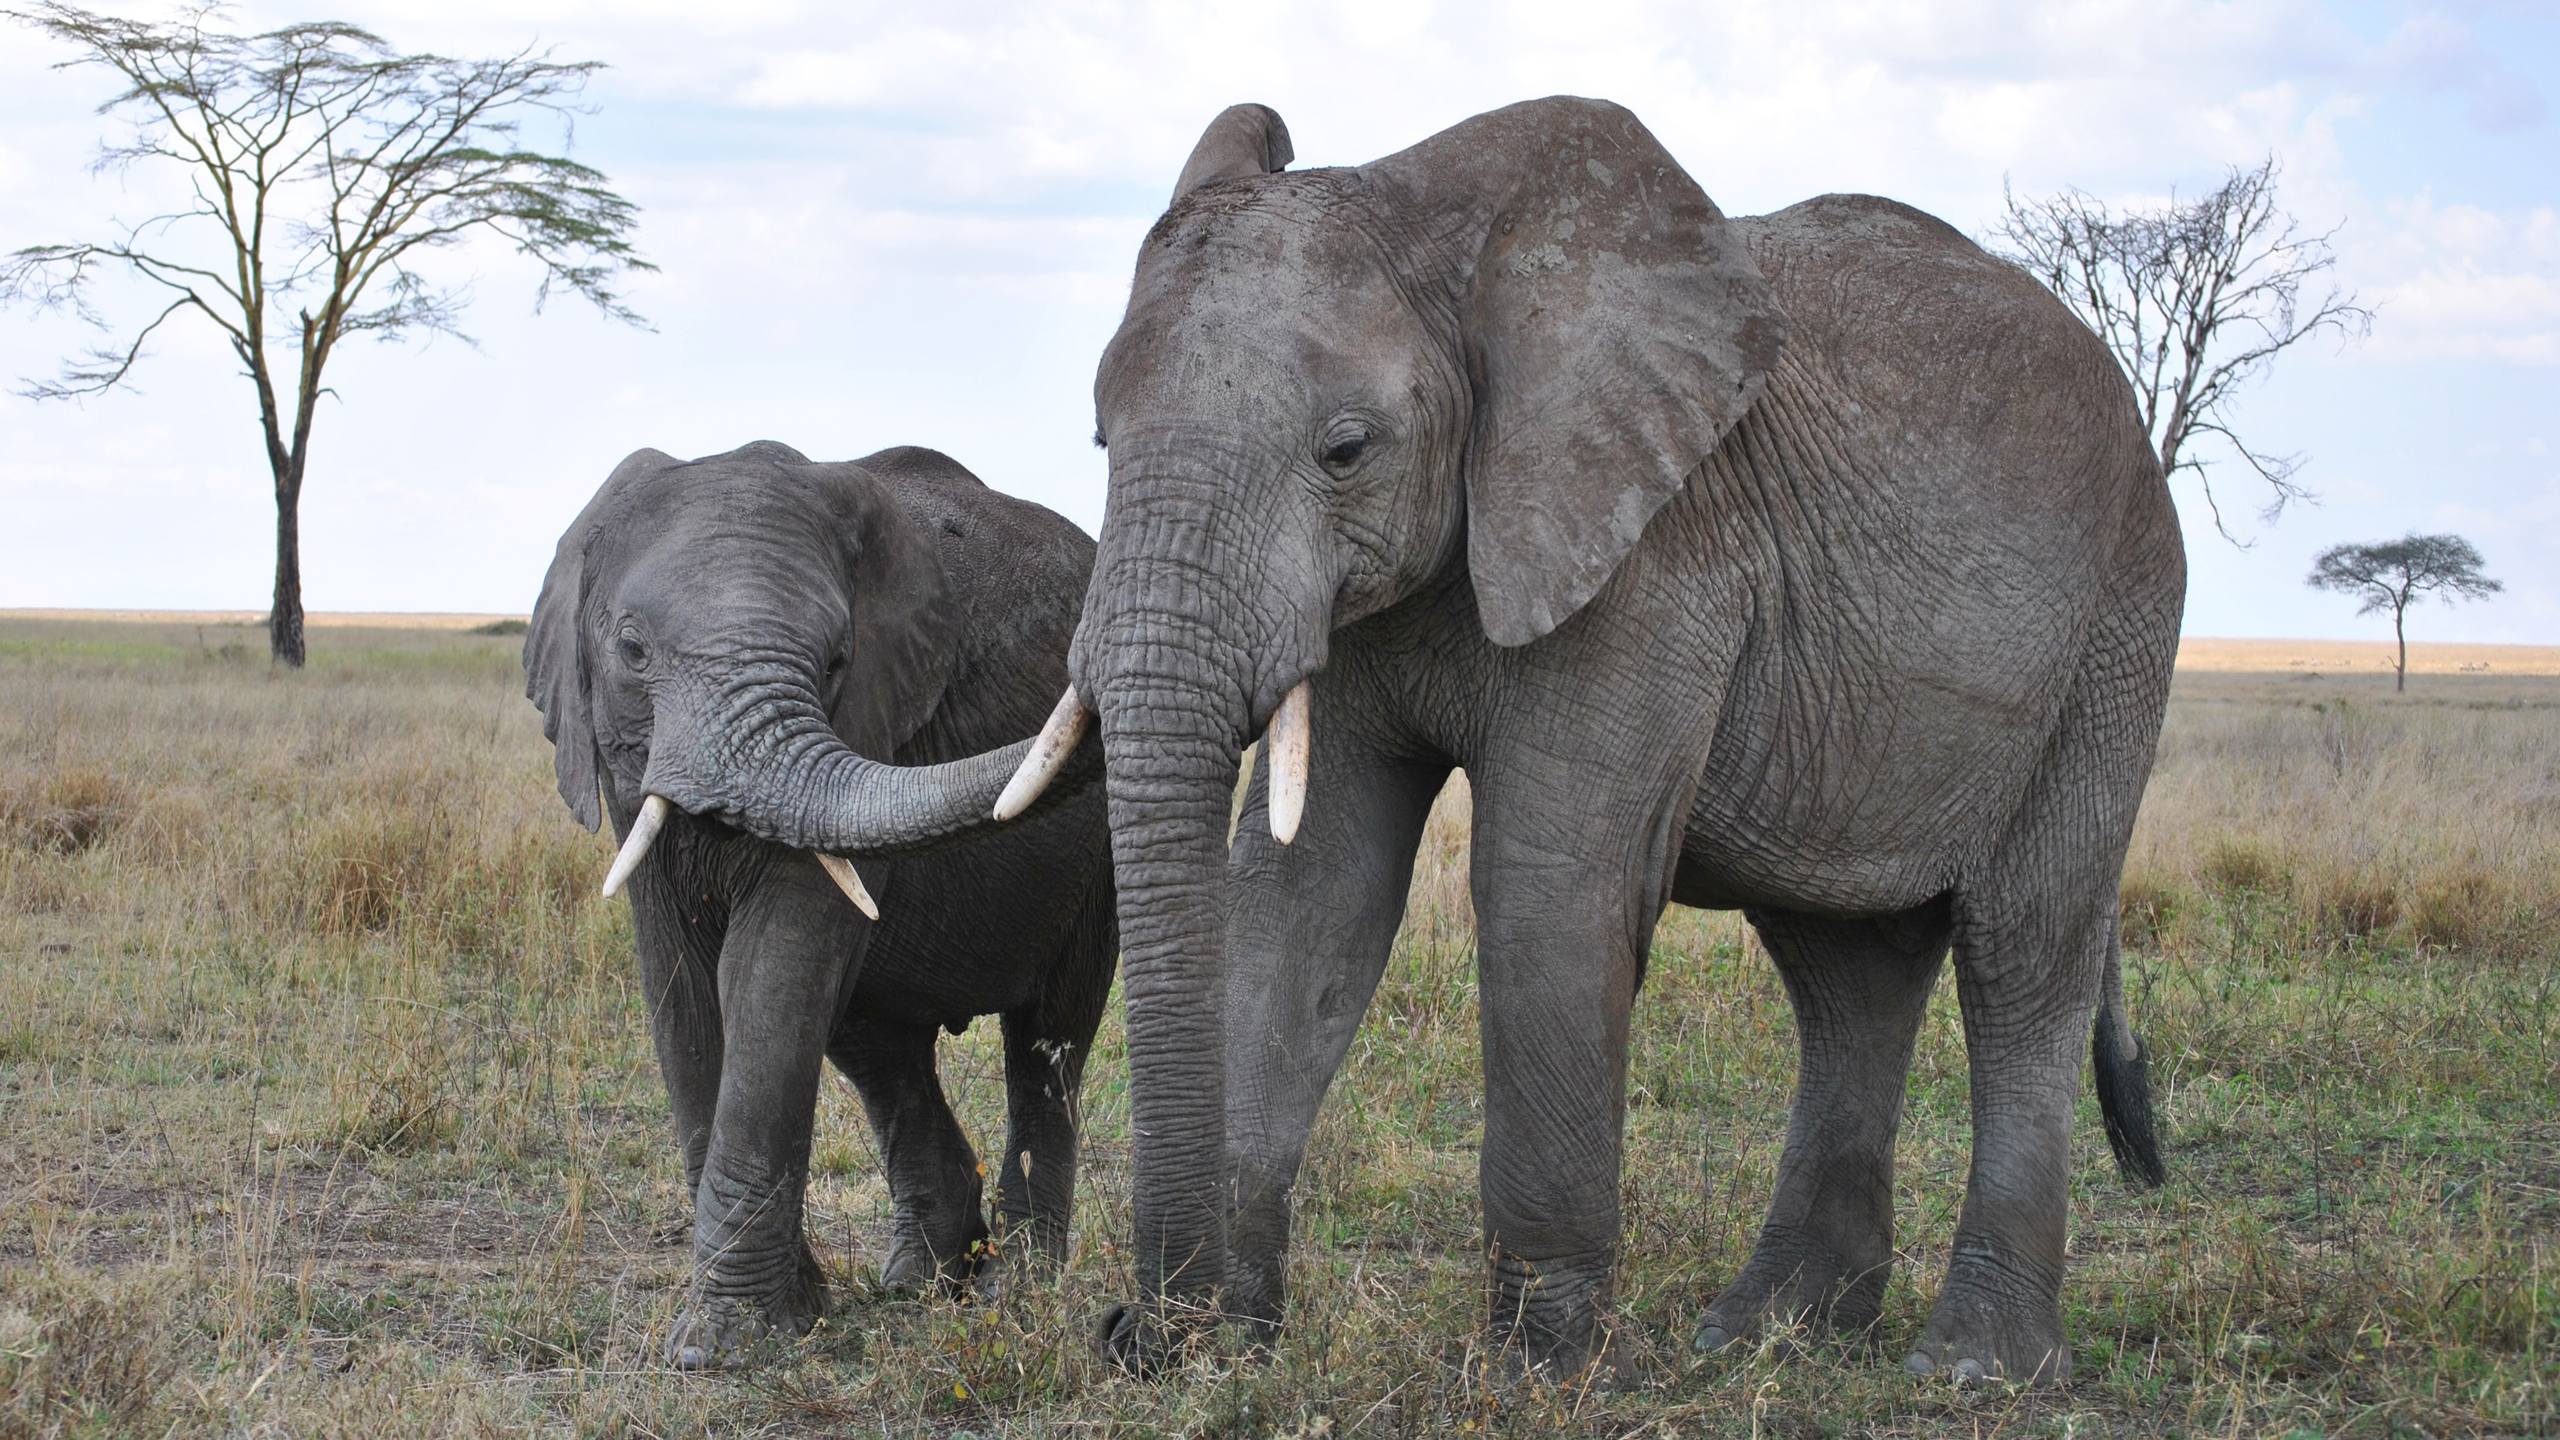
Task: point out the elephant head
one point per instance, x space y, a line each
748 638
1512 342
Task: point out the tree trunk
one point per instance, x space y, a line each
2400 628
284 619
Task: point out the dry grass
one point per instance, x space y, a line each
256 620
326 1104
2372 655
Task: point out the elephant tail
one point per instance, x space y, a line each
2124 1082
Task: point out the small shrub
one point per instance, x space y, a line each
501 627
2355 906
70 811
404 1101
2456 911
96 1367
2236 867
363 893
370 866
176 826
2145 907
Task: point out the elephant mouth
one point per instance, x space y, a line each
1288 742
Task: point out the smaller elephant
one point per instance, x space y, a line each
718 646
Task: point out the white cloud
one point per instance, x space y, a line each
2463 281
2433 51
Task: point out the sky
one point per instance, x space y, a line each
883 224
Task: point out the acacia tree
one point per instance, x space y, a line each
2195 298
2391 574
321 167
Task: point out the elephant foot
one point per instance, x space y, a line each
1584 1353
1970 1338
1603 1367
1817 1290
1147 1344
915 1264
715 1330
1256 1298
1016 1258
1555 1320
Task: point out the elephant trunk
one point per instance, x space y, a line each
760 754
1174 738
1191 642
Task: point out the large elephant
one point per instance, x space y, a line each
717 647
1812 564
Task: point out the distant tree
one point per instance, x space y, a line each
2195 298
323 167
2389 575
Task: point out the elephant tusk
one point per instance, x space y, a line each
1287 741
841 871
644 833
1064 731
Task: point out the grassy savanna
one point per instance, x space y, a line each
326 1103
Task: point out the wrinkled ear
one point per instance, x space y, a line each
555 651
1243 140
1616 329
905 623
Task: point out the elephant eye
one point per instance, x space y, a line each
627 644
1343 451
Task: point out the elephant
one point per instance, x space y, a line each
718 647
1811 564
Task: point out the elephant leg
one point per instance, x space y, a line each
1044 1058
679 978
2031 937
2026 975
1036 1183
936 1232
1308 935
1046 1045
1567 895
1859 988
783 962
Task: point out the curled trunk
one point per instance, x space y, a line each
773 766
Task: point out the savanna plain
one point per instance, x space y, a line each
327 1104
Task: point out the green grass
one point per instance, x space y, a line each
326 1106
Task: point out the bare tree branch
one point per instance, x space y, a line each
2195 300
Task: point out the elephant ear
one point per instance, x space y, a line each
555 649
1616 329
906 626
1243 140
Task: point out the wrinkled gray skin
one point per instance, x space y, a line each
1812 564
727 633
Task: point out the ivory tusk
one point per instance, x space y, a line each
1058 740
1285 743
841 871
635 848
